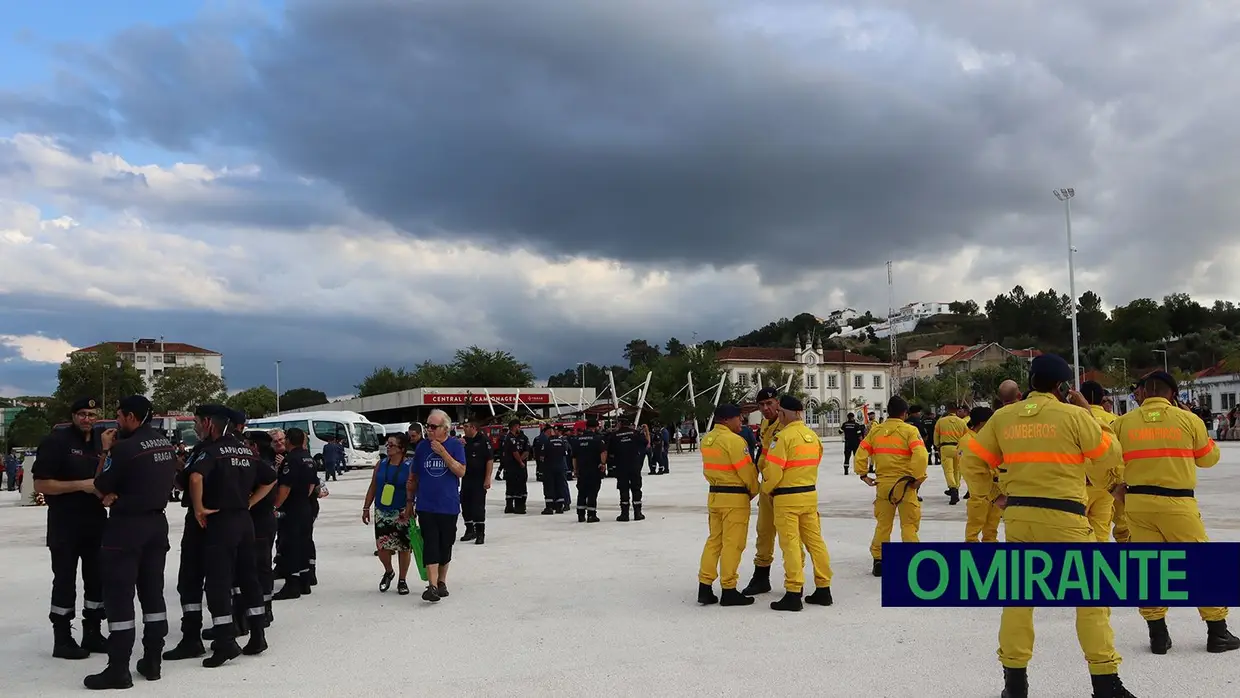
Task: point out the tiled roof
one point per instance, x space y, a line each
946 350
780 355
157 347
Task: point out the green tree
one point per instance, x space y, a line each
298 398
639 352
1142 320
95 374
29 427
479 368
1185 315
1091 320
595 377
385 379
775 375
256 402
674 347
184 388
966 308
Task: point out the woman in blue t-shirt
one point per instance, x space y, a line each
439 465
391 522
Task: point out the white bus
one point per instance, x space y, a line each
358 435
397 428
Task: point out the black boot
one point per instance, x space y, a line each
113 676
581 515
311 578
1015 683
1109 686
760 583
790 602
509 506
877 568
520 504
270 618
240 620
820 597
1160 638
637 512
846 470
732 597
291 590
257 643
190 645
306 584
548 509
208 634
481 530
592 517
955 496
470 533
93 640
966 495
706 595
222 651
65 647
1219 639
624 512
149 667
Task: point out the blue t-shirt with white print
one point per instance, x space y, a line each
439 489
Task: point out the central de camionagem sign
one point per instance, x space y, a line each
1061 574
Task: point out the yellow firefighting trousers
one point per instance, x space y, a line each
721 557
950 473
1093 625
1122 534
766 532
800 526
983 520
1180 523
1100 509
885 512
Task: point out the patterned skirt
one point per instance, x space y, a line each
390 533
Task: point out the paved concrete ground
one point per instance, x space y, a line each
549 607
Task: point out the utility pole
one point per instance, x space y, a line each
1065 195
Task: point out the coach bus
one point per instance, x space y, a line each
358 435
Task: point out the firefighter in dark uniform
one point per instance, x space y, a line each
514 450
223 480
263 514
539 450
479 467
297 485
190 574
311 575
556 453
135 478
64 473
627 448
589 467
853 432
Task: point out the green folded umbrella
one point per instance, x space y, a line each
415 542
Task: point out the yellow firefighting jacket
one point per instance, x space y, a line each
766 431
983 481
897 449
1047 450
949 430
1163 447
1102 415
790 473
728 469
1105 420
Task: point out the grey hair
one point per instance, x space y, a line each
275 432
447 421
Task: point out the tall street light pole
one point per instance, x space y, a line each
1065 195
277 386
1164 353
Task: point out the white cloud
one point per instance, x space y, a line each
38 348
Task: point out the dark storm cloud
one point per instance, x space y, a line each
639 131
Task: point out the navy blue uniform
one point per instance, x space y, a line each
473 485
296 520
514 449
556 453
626 448
853 433
589 451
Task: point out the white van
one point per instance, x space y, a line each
358 435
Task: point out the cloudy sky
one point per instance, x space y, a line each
345 183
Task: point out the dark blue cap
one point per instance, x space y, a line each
236 416
723 412
1164 378
1051 367
136 405
213 411
86 403
766 394
791 404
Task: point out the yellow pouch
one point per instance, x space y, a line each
387 495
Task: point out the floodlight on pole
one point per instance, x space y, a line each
1066 196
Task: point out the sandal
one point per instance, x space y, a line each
386 582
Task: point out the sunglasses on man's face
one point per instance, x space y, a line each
434 427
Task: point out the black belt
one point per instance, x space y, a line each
729 489
792 490
1158 491
1067 505
949 443
907 481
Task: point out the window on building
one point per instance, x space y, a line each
1207 401
858 381
1228 400
833 381
141 358
742 379
170 358
127 357
158 372
811 382
878 381
811 414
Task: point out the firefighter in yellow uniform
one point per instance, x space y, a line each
1048 449
983 515
1163 447
947 434
900 460
790 476
764 556
1100 507
1119 515
733 485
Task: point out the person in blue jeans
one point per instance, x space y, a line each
434 493
10 469
333 459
